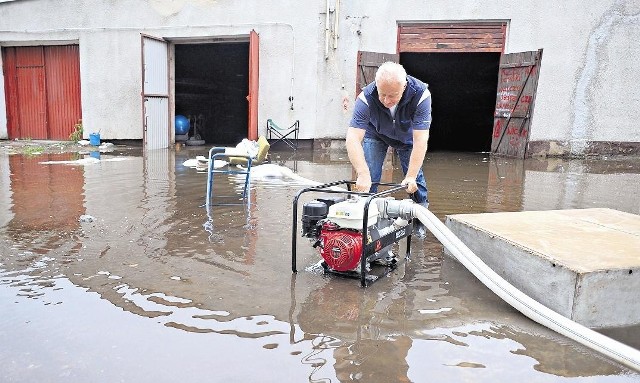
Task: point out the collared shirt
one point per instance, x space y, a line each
394 126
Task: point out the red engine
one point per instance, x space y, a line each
340 248
341 229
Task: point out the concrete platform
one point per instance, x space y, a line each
584 263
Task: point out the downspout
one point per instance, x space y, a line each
336 24
327 32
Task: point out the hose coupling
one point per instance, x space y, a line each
392 208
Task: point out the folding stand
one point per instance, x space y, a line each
289 136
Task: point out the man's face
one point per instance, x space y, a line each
390 92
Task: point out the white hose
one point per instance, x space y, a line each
620 352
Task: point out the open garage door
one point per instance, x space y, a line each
217 86
459 61
517 84
155 92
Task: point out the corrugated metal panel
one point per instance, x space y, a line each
42 85
452 37
156 122
32 102
27 57
63 90
155 89
156 73
10 90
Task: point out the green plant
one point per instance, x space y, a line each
33 150
77 132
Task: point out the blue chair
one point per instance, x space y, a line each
225 154
289 135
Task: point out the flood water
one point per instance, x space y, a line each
158 288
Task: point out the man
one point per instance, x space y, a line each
394 110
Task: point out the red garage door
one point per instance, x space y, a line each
42 88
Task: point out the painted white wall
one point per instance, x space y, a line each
587 64
583 95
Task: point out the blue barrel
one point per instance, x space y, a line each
94 139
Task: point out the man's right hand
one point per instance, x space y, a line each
356 156
363 183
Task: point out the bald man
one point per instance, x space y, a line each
394 110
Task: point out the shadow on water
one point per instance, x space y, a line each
150 286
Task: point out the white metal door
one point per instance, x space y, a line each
155 89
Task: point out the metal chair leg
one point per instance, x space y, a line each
215 153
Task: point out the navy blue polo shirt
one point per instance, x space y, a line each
412 112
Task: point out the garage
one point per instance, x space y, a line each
211 86
460 62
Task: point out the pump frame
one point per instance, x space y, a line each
368 248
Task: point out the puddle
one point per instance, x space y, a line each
156 287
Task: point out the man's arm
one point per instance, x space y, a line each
354 140
420 140
421 124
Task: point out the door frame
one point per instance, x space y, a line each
252 97
470 36
253 73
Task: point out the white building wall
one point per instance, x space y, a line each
588 62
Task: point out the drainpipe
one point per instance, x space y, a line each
336 25
327 32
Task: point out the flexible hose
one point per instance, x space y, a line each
620 352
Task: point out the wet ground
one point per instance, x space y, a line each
154 287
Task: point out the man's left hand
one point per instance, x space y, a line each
411 184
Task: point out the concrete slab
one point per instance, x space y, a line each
583 263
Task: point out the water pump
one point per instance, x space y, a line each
353 233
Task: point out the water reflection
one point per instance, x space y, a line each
476 183
376 337
188 286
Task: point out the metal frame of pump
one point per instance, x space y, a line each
368 248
